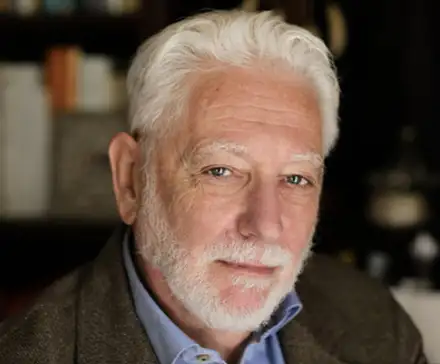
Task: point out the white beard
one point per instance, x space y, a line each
187 275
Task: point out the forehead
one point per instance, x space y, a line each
239 104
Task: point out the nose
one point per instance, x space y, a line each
261 215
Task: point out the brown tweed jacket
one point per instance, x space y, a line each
88 318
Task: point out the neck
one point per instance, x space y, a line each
229 344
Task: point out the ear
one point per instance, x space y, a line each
125 163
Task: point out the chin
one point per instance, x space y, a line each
230 302
244 299
250 308
240 308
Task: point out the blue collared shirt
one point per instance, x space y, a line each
173 346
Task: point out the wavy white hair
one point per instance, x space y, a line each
156 81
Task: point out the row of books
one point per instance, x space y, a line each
66 7
78 81
32 99
25 124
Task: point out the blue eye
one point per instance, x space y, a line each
297 180
218 172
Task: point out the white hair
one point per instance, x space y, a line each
156 79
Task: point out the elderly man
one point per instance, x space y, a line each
232 115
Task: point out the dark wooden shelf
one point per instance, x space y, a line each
73 20
27 38
35 251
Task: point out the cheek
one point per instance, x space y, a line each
179 197
204 219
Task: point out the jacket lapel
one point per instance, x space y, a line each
299 346
108 328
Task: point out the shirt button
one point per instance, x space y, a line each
203 358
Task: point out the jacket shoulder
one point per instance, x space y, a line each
355 315
45 333
329 275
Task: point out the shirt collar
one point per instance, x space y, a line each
167 339
288 309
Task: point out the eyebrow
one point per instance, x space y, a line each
220 146
238 149
314 158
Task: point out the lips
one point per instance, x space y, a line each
250 268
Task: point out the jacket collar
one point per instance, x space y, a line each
299 345
108 329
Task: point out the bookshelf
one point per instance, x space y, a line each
116 33
63 57
36 248
27 38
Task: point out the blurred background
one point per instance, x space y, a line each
62 97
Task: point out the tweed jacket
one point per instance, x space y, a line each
88 317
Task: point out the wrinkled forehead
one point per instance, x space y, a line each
267 93
252 99
225 101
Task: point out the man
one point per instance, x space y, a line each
232 115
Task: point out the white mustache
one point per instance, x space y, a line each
242 252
